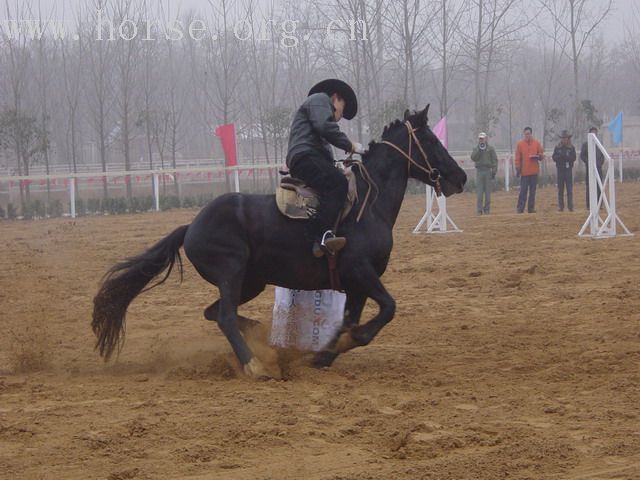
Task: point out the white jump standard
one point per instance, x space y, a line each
436 223
599 228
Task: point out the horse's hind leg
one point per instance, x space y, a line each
225 312
229 279
244 323
250 290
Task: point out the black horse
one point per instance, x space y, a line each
241 243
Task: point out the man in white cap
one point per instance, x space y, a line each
486 161
309 156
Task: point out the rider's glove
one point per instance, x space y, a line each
357 148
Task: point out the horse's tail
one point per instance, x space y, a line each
125 281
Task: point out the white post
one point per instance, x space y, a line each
236 175
427 217
430 217
507 173
442 207
156 190
593 183
72 196
620 162
612 199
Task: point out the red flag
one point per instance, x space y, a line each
227 135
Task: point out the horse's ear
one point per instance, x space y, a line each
407 113
424 114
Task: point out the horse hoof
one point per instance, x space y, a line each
323 359
256 370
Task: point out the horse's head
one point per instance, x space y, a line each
452 177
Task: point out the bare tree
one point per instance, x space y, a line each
445 42
17 51
553 46
579 19
149 118
44 83
127 52
491 31
223 60
632 38
20 134
175 109
72 71
409 22
99 89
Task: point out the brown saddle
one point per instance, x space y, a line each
298 201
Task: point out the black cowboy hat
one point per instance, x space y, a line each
565 134
333 85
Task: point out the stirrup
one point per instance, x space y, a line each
330 244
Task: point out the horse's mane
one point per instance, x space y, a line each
397 122
392 125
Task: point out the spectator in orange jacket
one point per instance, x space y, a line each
529 154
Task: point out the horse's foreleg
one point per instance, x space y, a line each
353 309
360 335
352 313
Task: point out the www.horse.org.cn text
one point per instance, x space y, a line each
289 33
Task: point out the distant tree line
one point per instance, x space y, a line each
488 65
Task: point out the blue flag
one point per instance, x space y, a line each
615 127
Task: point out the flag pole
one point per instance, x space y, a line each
620 158
236 173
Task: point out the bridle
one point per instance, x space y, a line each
433 173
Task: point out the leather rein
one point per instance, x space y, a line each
433 173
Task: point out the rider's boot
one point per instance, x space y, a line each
329 244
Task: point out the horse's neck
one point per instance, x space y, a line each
389 171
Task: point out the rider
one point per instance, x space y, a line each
310 158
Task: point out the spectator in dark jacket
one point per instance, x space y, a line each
486 161
564 155
309 156
584 156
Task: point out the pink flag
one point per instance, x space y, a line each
440 130
227 135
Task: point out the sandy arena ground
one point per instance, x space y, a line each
515 353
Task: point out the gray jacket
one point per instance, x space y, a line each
485 159
314 128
